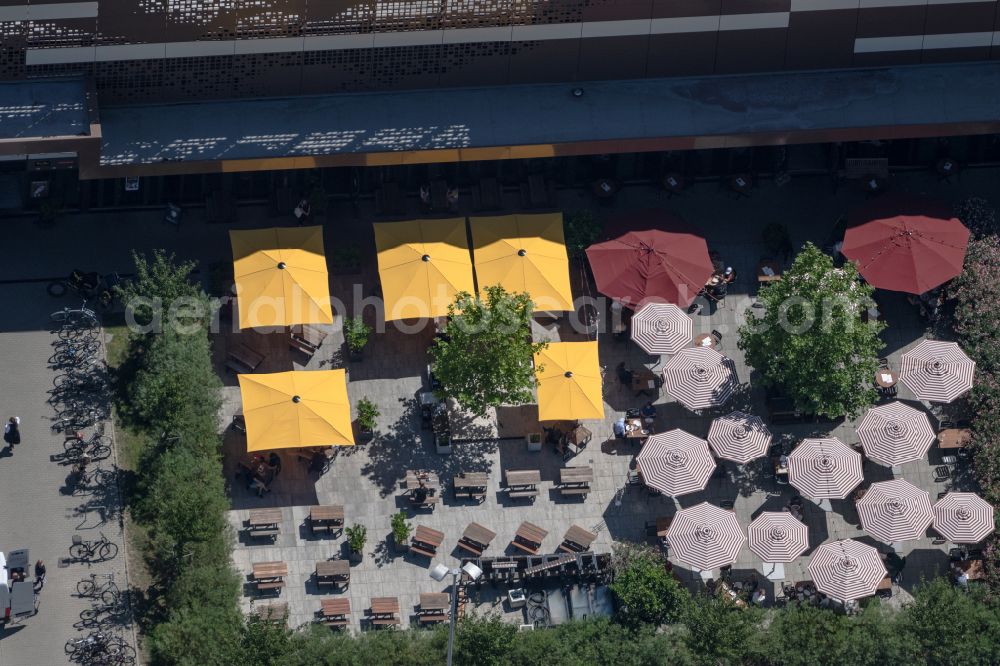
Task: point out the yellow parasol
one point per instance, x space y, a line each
281 276
285 410
422 265
524 253
569 382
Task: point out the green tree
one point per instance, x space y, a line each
484 357
811 341
175 384
951 626
159 283
719 632
646 592
483 641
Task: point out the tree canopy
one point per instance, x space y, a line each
646 592
483 359
811 341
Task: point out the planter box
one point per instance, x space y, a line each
534 440
442 444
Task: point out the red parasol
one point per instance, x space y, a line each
909 245
668 264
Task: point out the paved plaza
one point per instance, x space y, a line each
366 479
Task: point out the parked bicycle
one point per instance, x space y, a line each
99 586
100 647
95 551
97 446
71 420
76 354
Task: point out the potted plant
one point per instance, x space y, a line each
357 535
356 333
345 260
367 414
401 531
582 230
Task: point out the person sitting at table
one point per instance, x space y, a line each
420 492
648 413
758 597
729 275
618 428
258 484
274 462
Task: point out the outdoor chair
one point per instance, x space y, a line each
717 336
942 473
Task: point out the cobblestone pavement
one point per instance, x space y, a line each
366 479
38 512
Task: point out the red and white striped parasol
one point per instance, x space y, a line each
937 371
895 433
778 536
675 463
963 517
661 328
705 537
846 569
700 377
824 468
895 511
739 437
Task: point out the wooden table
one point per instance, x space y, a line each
384 611
270 575
704 340
886 382
529 537
264 523
426 541
242 359
334 612
643 380
431 484
773 266
306 338
884 584
326 518
523 482
954 438
434 603
575 480
471 484
577 540
476 538
333 572
634 429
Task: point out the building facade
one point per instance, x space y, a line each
157 51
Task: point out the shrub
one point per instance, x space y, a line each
400 528
356 333
357 535
582 230
646 592
367 414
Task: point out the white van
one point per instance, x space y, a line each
17 600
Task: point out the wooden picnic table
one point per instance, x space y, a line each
334 612
270 575
332 572
704 340
577 539
575 480
884 584
384 611
523 482
471 484
634 429
242 359
886 378
644 380
476 538
426 540
954 438
264 523
306 338
529 537
414 477
434 601
328 517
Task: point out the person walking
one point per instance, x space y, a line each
39 576
12 432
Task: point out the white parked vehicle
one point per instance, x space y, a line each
17 598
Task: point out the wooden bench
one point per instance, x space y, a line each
575 490
433 607
264 523
269 575
241 359
272 613
529 538
476 539
328 518
576 540
334 612
523 483
333 572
